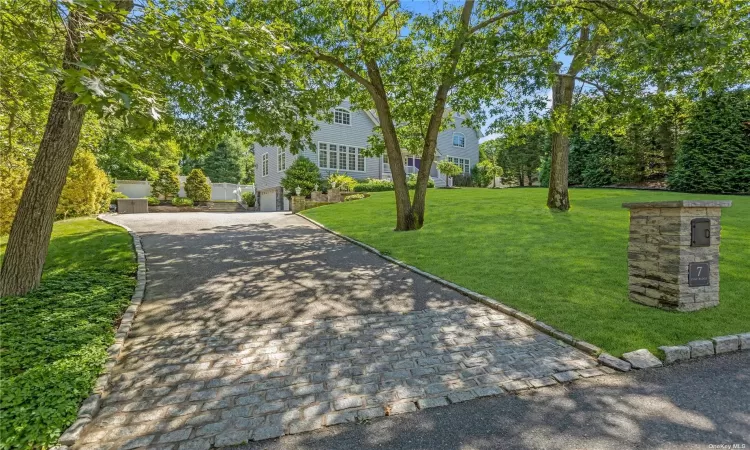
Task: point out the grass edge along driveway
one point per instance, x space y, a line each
54 339
567 269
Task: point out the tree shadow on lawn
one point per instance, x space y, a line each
108 248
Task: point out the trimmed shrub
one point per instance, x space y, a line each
354 197
115 195
714 155
342 181
248 198
463 180
196 186
87 189
182 201
304 174
373 185
449 169
166 184
153 201
411 182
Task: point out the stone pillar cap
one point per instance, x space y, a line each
681 204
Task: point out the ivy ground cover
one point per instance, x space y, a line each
569 269
54 339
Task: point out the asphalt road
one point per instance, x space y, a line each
699 404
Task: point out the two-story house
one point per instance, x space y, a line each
339 143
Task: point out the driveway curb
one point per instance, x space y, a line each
91 405
584 346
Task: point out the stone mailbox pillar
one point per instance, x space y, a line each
673 253
298 203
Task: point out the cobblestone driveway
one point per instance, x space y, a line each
221 352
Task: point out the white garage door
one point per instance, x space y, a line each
268 201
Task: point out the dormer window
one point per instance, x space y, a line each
342 116
459 140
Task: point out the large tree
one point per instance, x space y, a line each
625 48
190 59
224 163
418 71
520 149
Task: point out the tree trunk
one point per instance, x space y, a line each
562 100
405 219
32 225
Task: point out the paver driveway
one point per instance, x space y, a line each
256 325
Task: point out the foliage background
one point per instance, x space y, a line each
55 338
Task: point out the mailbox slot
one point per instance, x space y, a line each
700 233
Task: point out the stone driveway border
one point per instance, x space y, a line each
91 405
584 346
180 386
308 375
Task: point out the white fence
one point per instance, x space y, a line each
133 188
229 191
219 191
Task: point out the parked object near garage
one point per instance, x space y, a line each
673 253
132 205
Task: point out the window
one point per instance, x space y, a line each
281 160
463 163
459 140
264 164
340 157
342 116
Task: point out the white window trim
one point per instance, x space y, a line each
454 140
281 153
264 165
346 111
328 157
461 165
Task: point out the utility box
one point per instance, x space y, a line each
673 253
132 205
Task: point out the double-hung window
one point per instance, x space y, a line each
463 163
264 164
281 160
342 116
459 140
340 157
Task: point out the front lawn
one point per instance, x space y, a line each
567 269
54 340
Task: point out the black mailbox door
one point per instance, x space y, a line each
700 233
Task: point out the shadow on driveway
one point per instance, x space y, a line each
691 405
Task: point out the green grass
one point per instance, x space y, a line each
54 339
567 269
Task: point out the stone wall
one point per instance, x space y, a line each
300 203
660 252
